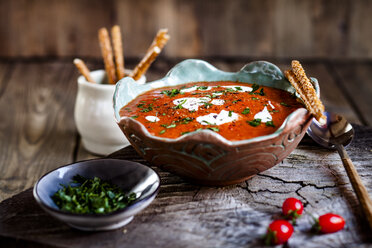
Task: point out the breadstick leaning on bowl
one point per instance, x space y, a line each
297 77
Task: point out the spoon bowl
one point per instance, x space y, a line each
336 131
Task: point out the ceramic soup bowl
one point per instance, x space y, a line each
205 157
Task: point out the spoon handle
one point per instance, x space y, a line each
358 186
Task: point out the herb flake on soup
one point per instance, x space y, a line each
237 111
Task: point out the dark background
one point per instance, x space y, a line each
320 29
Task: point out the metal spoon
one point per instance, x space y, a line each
336 133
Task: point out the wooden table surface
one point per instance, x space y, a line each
38 134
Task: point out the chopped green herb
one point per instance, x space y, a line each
134 117
284 104
202 88
238 88
179 106
91 196
143 101
141 105
186 120
196 93
255 122
214 129
246 111
192 111
255 98
235 101
208 123
170 93
230 90
183 133
254 88
270 124
207 104
162 131
261 92
169 126
163 113
148 109
230 113
274 111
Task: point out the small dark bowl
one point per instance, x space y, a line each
127 175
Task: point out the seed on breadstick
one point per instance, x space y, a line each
83 70
106 49
307 93
118 51
145 63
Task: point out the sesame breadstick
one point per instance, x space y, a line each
118 51
83 70
106 49
145 63
160 39
305 89
153 51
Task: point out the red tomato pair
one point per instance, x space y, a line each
279 231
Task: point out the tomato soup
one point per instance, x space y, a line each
236 111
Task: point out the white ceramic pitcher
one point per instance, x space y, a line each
94 115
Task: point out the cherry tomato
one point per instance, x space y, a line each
292 208
329 223
278 232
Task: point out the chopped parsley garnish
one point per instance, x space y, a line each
284 104
162 131
261 92
255 122
169 126
183 133
91 196
202 88
214 129
230 113
186 120
148 109
230 90
142 105
238 88
179 106
254 88
134 117
270 124
246 111
207 104
255 98
208 123
274 111
170 93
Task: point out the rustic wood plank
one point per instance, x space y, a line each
183 214
284 28
355 80
359 44
36 121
